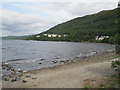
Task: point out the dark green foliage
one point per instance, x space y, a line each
111 40
85 28
118 49
117 38
115 64
105 40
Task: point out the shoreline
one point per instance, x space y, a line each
61 41
76 59
106 56
49 72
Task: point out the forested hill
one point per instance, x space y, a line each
104 23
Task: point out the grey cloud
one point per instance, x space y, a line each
15 23
23 24
83 8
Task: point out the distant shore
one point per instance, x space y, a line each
72 75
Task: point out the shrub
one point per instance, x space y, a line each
118 49
116 66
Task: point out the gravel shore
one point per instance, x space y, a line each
88 71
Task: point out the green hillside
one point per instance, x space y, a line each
104 23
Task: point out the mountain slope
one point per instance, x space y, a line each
85 28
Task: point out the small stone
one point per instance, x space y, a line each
27 76
40 63
6 79
13 80
55 61
20 75
42 59
12 69
11 76
8 68
19 70
24 81
34 78
67 60
24 71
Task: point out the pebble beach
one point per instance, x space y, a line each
89 71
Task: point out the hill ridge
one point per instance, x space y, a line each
84 28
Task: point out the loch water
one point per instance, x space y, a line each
29 55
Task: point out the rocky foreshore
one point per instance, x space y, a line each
68 75
9 69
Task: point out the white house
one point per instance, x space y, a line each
54 35
65 35
101 37
59 35
38 36
49 35
45 34
97 38
107 36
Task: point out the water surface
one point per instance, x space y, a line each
28 55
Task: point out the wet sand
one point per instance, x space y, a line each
92 70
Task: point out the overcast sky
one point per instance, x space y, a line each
27 18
